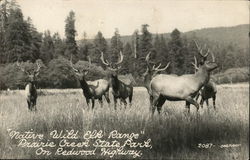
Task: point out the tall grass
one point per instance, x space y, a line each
174 134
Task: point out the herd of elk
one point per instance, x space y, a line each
120 90
160 87
92 89
180 88
209 90
30 88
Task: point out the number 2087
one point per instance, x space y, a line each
205 145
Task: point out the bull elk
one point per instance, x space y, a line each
120 90
92 89
150 73
209 90
30 88
180 88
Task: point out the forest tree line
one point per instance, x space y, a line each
20 41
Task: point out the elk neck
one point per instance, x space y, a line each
85 87
202 75
147 80
114 82
31 87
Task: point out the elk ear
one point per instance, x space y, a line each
145 73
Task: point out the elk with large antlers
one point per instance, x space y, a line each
92 89
120 90
150 73
180 88
30 88
209 90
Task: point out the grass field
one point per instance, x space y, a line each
174 134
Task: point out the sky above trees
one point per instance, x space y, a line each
128 15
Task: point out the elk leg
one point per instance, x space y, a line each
151 102
124 102
35 105
106 95
197 96
101 102
154 104
115 102
161 101
201 102
87 101
190 100
130 98
207 102
214 98
188 106
153 110
93 103
29 105
32 106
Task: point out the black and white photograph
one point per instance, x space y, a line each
124 79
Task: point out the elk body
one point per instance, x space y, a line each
208 91
30 88
92 89
120 90
180 88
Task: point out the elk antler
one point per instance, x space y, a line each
147 59
162 69
121 59
213 58
200 50
195 64
155 68
103 61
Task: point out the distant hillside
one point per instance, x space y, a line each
238 35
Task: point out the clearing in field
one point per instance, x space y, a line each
210 134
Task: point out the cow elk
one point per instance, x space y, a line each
120 90
92 89
30 88
209 90
180 88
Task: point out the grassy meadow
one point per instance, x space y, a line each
174 134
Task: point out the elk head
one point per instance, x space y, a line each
209 66
81 73
31 75
154 70
113 67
